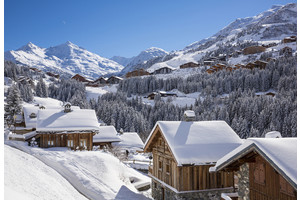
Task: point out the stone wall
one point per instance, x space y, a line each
243 182
161 192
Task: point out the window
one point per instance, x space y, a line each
285 187
83 142
168 168
160 165
259 173
70 143
50 143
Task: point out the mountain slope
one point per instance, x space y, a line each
66 57
267 27
141 58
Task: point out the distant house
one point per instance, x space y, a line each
266 168
162 94
260 64
253 50
80 78
182 152
106 136
138 72
211 70
289 39
167 94
163 70
35 69
130 141
114 80
208 62
100 81
189 65
73 128
52 74
152 95
26 80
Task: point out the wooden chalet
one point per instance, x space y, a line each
52 75
210 70
35 69
266 168
183 152
260 64
138 72
208 62
80 78
289 39
162 94
26 80
163 70
72 128
189 65
100 81
106 136
114 80
253 50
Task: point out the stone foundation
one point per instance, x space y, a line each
243 182
161 192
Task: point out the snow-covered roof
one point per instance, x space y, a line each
281 153
57 120
198 142
28 109
189 113
106 134
130 140
273 134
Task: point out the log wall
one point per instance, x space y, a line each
265 183
60 140
185 178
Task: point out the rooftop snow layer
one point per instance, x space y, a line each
199 142
58 120
106 134
189 113
28 110
280 151
130 140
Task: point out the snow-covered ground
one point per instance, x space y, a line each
96 174
26 177
95 92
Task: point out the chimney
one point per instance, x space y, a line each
67 107
189 115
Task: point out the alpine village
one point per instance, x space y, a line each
215 120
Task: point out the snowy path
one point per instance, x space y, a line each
95 174
26 177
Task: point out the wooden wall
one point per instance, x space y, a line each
185 178
265 183
60 140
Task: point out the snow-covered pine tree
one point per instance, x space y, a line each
13 105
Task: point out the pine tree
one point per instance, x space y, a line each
13 105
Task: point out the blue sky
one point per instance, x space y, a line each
122 27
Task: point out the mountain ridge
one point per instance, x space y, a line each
66 57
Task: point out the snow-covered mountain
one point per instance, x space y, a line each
67 57
267 27
236 26
142 57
